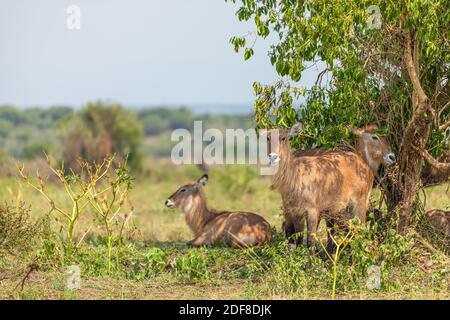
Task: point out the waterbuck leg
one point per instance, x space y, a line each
201 240
312 222
331 246
289 230
361 213
299 225
359 209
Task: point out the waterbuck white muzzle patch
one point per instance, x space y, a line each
274 158
389 158
169 204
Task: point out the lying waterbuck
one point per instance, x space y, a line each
333 185
372 148
235 229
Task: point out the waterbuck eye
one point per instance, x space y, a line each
183 190
283 139
375 137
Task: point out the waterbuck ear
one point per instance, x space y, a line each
371 128
295 129
354 131
202 181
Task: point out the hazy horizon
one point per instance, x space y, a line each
231 109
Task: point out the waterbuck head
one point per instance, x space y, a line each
375 150
278 146
186 195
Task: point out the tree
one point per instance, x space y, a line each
100 131
383 61
12 115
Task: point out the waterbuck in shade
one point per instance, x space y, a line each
372 148
334 185
235 228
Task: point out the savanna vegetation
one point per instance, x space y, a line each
25 134
88 187
149 259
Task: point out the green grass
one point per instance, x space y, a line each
437 197
229 188
223 273
154 263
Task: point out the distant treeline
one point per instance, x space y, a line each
27 133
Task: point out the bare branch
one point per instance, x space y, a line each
444 126
320 76
440 166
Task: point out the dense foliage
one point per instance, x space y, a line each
381 61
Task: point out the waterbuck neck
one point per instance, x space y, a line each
197 213
287 173
363 151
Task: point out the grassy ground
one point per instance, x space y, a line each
155 263
52 286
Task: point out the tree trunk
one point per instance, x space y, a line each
407 182
403 191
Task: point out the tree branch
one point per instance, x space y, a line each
444 126
416 54
421 103
320 76
412 72
443 167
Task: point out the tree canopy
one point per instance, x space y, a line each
101 130
382 61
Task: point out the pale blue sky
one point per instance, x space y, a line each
136 52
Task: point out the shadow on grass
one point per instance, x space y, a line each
165 244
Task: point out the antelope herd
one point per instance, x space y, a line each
314 184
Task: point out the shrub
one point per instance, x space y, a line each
99 186
193 266
17 232
367 248
151 263
19 235
156 259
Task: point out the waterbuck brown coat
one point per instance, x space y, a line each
373 149
440 221
235 229
332 184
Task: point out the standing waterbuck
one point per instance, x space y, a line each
372 148
236 229
334 185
